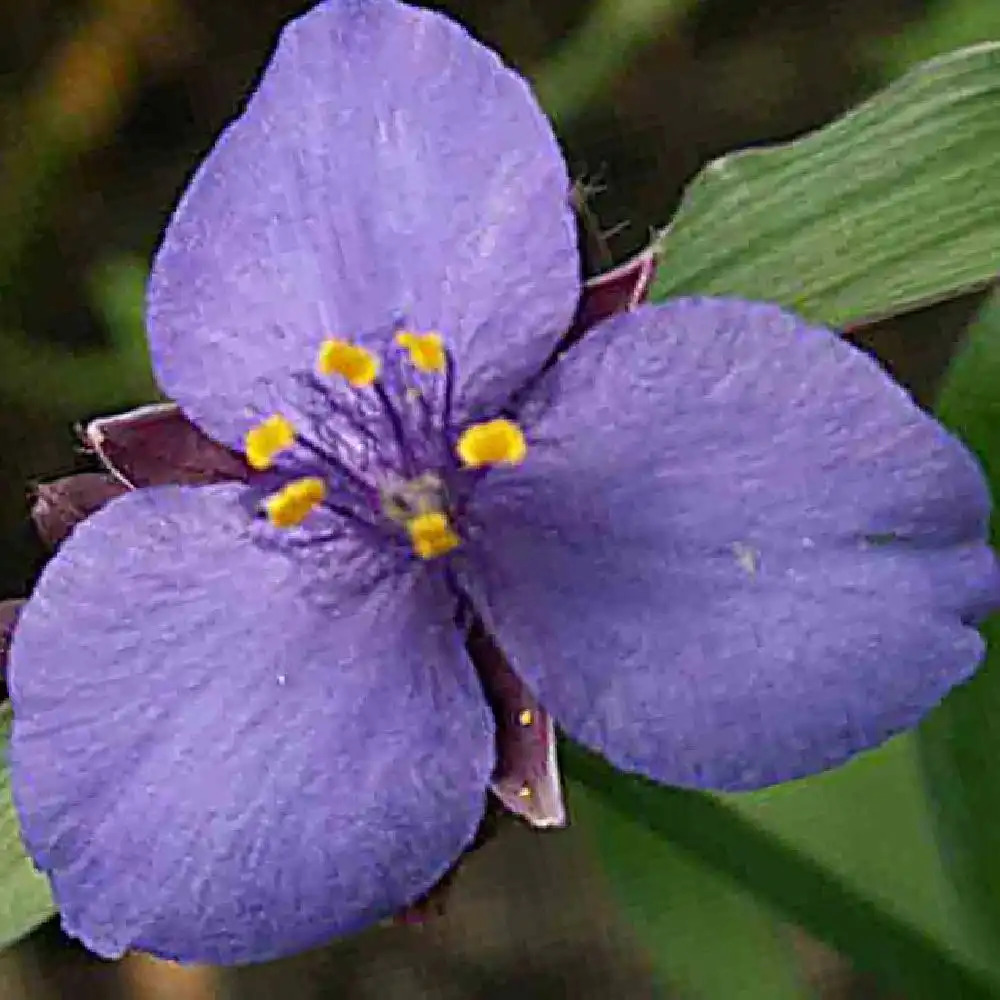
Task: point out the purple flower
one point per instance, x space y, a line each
716 543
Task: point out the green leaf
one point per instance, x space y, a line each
816 851
702 934
960 743
894 206
25 901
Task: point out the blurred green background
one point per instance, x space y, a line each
106 107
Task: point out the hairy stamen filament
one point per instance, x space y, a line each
398 431
449 388
368 490
347 411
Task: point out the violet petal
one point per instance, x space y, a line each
736 553
388 169
220 756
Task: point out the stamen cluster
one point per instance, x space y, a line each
417 495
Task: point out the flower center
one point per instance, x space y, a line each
371 439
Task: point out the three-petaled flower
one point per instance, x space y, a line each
715 542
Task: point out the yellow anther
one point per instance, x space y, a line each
524 792
293 503
339 357
497 442
266 440
527 717
432 534
426 350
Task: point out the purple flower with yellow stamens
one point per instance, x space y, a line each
715 542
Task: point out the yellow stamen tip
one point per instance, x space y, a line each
426 350
496 442
340 357
268 439
527 717
524 792
293 503
432 534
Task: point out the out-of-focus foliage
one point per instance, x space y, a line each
114 376
570 82
948 26
681 910
808 875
